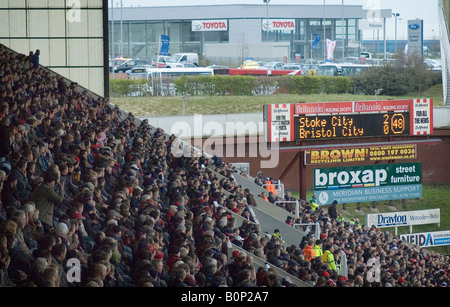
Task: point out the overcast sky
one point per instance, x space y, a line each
408 9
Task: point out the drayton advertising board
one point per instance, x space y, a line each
407 218
368 183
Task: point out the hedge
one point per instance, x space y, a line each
237 85
249 85
127 87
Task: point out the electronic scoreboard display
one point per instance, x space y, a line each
341 120
351 126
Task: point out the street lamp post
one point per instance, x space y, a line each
344 32
121 28
112 37
396 15
267 17
324 32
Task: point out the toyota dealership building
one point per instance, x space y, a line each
230 33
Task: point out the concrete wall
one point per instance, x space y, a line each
224 125
234 137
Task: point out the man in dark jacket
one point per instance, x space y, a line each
332 213
5 144
250 198
23 186
46 197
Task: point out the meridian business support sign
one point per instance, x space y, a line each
407 218
368 183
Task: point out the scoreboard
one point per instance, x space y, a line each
337 120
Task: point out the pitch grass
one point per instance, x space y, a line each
160 106
433 197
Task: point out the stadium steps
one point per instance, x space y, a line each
258 262
270 216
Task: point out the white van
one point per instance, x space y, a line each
186 57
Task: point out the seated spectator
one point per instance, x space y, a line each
47 199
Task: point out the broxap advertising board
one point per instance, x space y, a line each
368 183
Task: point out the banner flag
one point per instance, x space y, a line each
165 42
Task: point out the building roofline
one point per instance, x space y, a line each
239 11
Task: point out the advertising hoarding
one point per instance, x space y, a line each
361 154
209 25
406 218
368 183
428 239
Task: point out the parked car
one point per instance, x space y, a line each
161 61
291 66
187 65
117 61
139 69
186 57
130 64
434 65
139 72
249 64
262 63
273 65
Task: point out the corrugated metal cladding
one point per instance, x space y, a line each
244 11
69 33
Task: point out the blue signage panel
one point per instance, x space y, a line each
360 195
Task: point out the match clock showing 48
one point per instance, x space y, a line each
351 126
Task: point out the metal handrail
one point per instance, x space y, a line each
317 231
297 205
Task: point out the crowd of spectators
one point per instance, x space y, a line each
372 258
82 180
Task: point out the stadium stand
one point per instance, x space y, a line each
82 179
